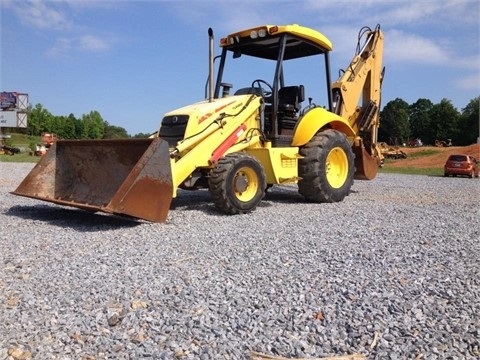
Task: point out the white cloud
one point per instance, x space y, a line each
404 47
469 83
94 4
229 16
64 46
39 14
61 47
395 12
469 62
93 43
410 48
52 16
409 12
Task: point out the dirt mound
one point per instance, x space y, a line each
432 156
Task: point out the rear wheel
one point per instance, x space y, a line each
327 167
237 183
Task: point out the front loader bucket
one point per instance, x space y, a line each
366 165
131 177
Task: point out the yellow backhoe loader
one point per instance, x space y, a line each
236 145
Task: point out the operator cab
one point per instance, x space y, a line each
260 48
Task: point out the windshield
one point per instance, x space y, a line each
242 71
309 71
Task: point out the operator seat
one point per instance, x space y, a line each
289 99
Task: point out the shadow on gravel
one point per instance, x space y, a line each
202 204
191 200
79 220
284 194
194 200
200 200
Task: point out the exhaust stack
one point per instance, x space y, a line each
210 64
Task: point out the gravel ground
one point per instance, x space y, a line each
392 272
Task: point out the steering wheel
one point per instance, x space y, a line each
263 92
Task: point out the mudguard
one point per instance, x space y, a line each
314 120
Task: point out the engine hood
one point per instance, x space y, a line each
201 114
205 110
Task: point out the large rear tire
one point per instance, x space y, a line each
327 167
237 183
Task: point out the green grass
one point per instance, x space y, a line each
412 171
23 142
19 158
422 153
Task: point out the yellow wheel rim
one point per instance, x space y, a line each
336 167
245 184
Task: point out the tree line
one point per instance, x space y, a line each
401 122
88 126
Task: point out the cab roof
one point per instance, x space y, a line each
263 41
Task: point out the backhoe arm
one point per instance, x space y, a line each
357 92
357 97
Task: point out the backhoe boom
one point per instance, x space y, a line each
357 98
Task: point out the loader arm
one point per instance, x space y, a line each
357 98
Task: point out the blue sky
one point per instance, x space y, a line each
132 61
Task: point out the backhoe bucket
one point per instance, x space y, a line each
129 177
366 165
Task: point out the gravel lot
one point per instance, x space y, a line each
391 273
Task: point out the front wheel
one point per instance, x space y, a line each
327 167
237 183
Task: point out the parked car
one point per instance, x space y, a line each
461 165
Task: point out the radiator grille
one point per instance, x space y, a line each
173 128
